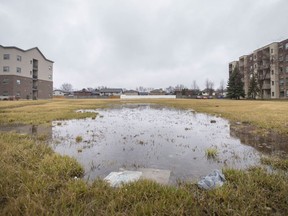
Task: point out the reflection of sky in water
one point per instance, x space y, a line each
148 136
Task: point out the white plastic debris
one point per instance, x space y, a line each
116 179
213 180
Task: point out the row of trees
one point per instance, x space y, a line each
209 87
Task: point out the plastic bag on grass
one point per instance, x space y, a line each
213 180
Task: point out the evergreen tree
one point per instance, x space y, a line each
235 88
253 87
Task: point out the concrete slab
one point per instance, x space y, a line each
157 175
116 179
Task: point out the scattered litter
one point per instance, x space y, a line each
213 121
213 180
116 179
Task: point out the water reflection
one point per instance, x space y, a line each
136 136
273 144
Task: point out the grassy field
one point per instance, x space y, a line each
36 181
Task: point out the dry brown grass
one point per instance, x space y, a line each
266 115
36 181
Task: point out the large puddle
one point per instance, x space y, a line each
147 136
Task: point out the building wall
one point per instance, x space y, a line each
270 65
283 69
20 65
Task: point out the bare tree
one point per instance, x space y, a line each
222 87
67 87
141 89
179 87
194 85
209 86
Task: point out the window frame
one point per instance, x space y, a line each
6 56
6 69
5 81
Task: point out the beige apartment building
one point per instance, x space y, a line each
270 66
25 74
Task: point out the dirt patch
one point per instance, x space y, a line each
268 143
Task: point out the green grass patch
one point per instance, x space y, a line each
211 153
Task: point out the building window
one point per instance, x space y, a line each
31 61
286 93
287 81
280 69
281 58
5 81
18 70
19 58
286 46
272 94
6 69
272 72
271 50
6 56
18 82
281 82
5 93
286 69
50 77
281 93
272 83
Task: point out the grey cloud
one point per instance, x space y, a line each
155 43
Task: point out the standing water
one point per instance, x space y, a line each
149 136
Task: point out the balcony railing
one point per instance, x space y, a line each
263 67
266 86
265 76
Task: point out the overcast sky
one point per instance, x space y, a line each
150 43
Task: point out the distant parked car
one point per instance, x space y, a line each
199 97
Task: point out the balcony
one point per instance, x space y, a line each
266 86
264 67
265 76
35 88
35 77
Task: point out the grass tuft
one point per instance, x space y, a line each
79 139
211 153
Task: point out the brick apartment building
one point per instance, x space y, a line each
25 74
270 66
